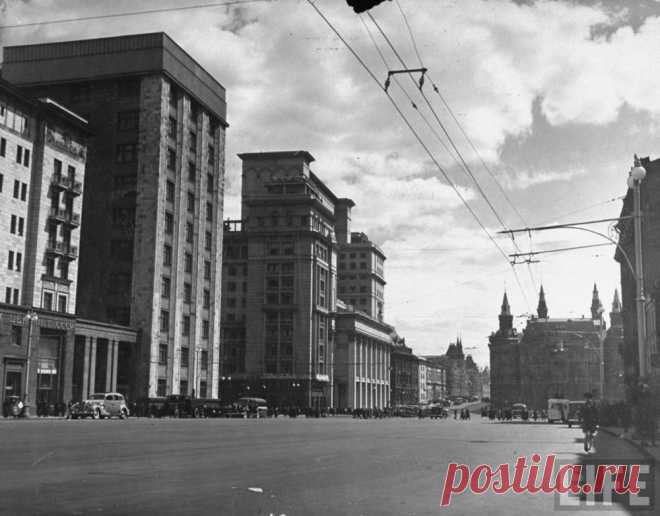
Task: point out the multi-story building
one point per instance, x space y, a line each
423 383
362 360
613 367
436 381
625 255
504 347
404 374
280 278
151 244
361 280
43 353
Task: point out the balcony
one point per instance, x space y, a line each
62 249
60 215
66 183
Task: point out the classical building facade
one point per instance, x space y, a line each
281 284
151 244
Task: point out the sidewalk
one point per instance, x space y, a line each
652 452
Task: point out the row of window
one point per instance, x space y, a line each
187 292
208 236
13 119
185 324
184 357
169 197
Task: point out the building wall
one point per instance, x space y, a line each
614 387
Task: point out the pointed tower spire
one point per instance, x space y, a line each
596 305
542 309
616 304
506 319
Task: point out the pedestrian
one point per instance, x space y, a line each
455 413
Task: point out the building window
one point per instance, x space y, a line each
2 177
171 159
64 269
165 287
202 389
21 225
61 304
205 329
3 147
16 335
192 171
191 202
19 260
12 224
192 140
126 153
16 296
208 240
189 232
23 191
127 120
209 183
164 321
17 189
26 157
185 329
185 352
169 223
169 192
162 354
188 262
167 255
171 128
211 156
209 211
207 298
204 360
8 295
183 387
50 266
162 387
187 293
207 270
48 301
19 154
10 261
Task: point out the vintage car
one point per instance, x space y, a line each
100 406
574 416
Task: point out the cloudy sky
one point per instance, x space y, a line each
556 96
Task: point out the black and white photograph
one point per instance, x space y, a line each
329 257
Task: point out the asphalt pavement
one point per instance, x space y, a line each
293 467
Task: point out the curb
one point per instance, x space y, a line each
639 447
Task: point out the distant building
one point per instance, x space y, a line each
404 374
280 278
151 242
473 377
436 381
614 388
423 381
504 347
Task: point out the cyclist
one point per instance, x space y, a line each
589 421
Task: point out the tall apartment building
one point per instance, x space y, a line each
42 157
279 282
361 280
151 244
44 348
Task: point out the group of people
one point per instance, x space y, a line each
464 414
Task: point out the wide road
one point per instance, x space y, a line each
295 467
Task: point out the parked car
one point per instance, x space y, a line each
438 411
254 407
574 413
519 410
99 406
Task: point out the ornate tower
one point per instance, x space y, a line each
542 308
506 319
615 314
596 306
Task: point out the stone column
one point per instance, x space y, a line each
108 367
115 359
68 350
92 364
85 380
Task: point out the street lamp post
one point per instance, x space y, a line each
637 174
30 317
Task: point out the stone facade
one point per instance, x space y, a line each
151 246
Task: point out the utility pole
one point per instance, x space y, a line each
637 174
